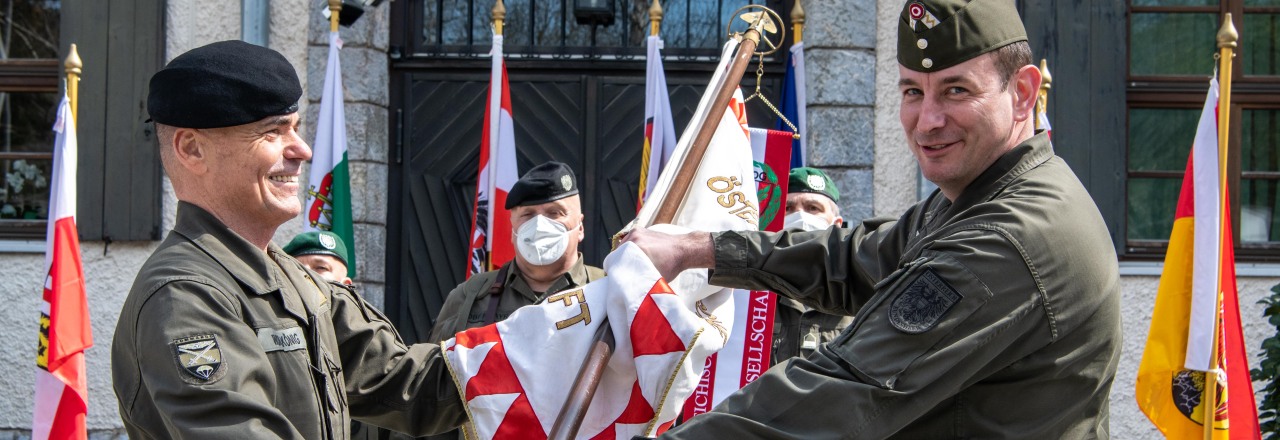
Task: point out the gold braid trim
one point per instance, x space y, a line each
670 380
466 406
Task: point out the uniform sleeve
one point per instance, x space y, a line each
406 388
967 308
832 270
201 364
447 320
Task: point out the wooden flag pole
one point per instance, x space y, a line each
73 66
584 387
1227 37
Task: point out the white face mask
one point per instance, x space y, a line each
804 221
542 241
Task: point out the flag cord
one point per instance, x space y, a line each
795 132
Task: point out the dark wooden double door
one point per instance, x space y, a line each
590 121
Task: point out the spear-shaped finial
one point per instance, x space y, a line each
73 66
1046 81
655 17
797 21
499 14
1227 35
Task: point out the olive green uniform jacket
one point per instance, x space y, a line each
798 329
996 316
468 304
218 339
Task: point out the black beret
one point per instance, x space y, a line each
223 84
548 182
937 34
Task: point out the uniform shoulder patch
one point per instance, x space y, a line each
199 358
923 303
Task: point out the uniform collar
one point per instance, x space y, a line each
576 276
244 261
1029 154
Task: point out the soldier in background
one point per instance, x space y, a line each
323 252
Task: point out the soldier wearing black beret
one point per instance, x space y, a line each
988 310
224 335
546 223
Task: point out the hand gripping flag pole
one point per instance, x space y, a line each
583 390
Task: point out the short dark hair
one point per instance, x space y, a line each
1010 58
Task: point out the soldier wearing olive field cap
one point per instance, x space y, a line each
988 310
223 334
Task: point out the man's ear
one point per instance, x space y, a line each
191 150
1026 87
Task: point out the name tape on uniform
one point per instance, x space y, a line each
288 339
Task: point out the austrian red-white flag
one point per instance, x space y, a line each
62 391
664 331
491 245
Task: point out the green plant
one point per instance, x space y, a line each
1268 370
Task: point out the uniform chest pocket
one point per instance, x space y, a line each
912 320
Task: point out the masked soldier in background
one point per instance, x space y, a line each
798 329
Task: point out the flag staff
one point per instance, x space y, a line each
73 67
1227 37
584 386
1042 96
655 17
335 7
499 12
797 21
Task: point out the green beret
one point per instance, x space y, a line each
937 34
812 180
317 243
545 183
223 84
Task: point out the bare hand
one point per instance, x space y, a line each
672 254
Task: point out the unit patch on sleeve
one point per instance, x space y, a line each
923 303
199 357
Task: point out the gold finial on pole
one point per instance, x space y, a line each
655 17
1227 38
797 21
335 6
73 66
499 14
1042 96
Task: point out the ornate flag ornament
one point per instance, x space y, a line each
328 205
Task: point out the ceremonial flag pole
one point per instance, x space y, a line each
62 392
329 182
491 245
1042 98
575 408
659 129
793 92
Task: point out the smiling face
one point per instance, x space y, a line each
959 120
253 169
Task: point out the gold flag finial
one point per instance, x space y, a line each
797 21
1047 79
335 7
499 14
73 66
655 17
1227 35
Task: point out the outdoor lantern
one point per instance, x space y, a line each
593 11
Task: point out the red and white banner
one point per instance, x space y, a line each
491 245
664 331
62 392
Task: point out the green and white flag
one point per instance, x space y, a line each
329 186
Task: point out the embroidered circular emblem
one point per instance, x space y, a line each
916 10
328 242
566 182
922 304
816 183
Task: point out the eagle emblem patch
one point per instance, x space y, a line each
919 308
199 357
